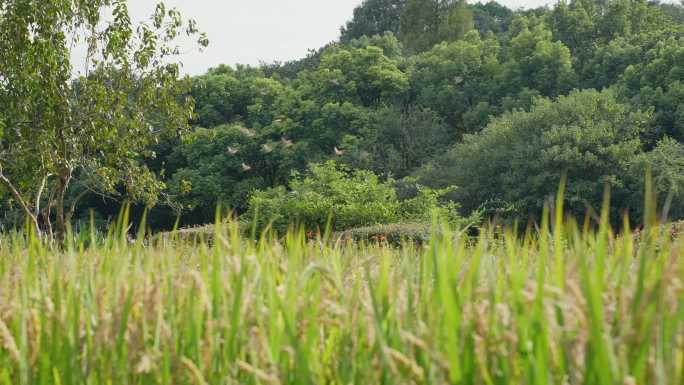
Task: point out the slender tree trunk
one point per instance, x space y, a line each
62 186
47 222
47 213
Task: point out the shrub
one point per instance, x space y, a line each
347 198
394 234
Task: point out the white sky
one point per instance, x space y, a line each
247 31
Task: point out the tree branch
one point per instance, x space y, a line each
24 206
17 196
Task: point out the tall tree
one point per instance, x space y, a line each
91 130
374 17
457 20
491 17
516 162
419 25
537 62
452 78
657 81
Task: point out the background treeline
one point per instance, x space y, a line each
473 108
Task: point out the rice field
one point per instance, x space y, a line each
560 305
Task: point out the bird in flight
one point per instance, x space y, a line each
247 132
286 142
338 152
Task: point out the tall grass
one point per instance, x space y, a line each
563 306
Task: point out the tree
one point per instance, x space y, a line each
574 24
457 21
419 25
672 10
452 78
491 17
224 95
516 162
353 197
388 42
657 81
425 23
363 76
608 62
396 141
537 62
213 170
373 17
624 18
296 122
90 131
584 25
666 162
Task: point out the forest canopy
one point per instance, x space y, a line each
486 104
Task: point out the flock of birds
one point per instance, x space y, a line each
266 147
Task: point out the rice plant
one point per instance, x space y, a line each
564 304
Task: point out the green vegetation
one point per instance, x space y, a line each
334 196
565 306
588 134
89 132
376 191
392 234
496 102
499 109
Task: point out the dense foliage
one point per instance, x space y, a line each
85 125
334 197
497 102
423 117
587 134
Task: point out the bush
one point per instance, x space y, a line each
428 203
345 197
394 234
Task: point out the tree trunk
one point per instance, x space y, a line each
62 186
47 221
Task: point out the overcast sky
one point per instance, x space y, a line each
249 31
